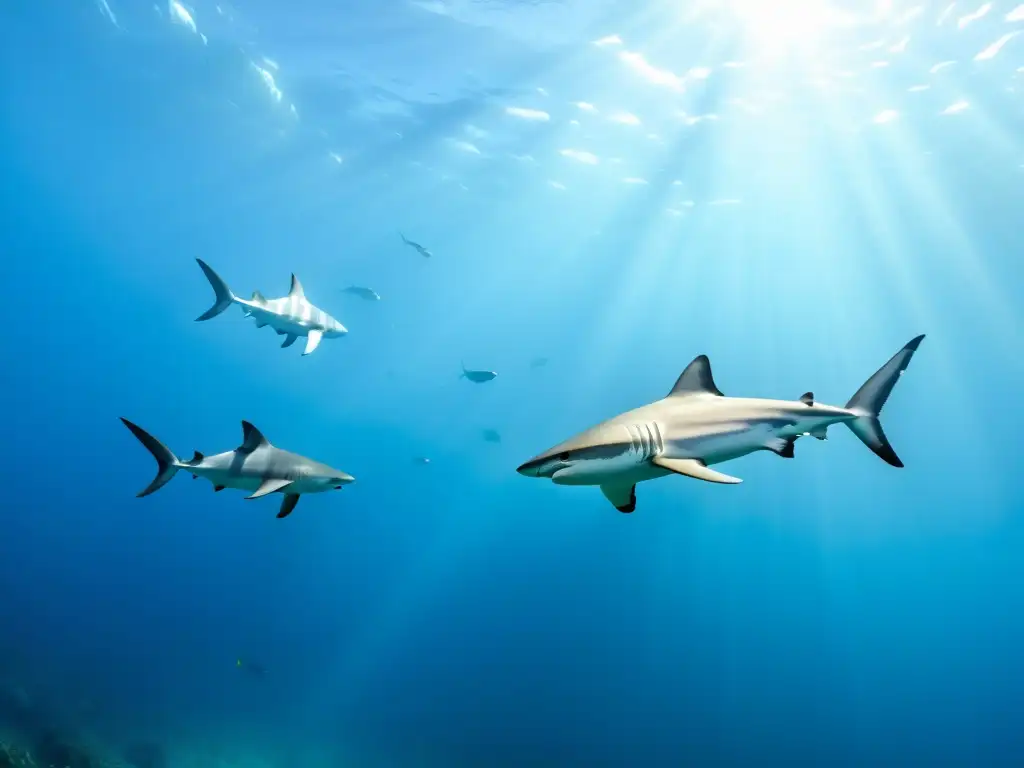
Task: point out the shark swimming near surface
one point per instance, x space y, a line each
291 316
696 426
255 466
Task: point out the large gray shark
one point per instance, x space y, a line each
255 466
696 426
291 316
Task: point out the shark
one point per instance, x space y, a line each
291 316
364 293
424 252
255 466
696 426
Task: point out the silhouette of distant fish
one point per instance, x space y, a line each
477 377
492 436
424 252
364 293
539 362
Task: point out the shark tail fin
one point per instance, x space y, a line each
868 401
220 288
167 462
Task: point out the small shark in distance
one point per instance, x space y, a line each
477 377
696 426
425 253
255 466
364 293
291 316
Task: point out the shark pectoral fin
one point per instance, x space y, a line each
290 500
622 497
313 342
269 485
782 446
289 341
695 468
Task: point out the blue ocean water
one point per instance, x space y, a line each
613 186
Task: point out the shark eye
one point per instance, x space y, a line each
563 456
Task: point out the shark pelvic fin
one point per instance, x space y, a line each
782 446
313 341
288 504
696 379
695 468
622 497
296 289
807 398
289 340
260 323
269 485
252 439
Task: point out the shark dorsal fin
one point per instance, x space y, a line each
807 398
696 380
296 289
252 439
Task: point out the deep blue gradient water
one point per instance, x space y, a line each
797 218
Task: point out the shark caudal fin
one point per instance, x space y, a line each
167 462
870 398
224 295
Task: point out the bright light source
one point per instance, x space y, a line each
782 26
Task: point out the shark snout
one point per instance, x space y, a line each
535 468
527 469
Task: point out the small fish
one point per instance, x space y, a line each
539 362
364 293
425 253
477 377
492 436
422 460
